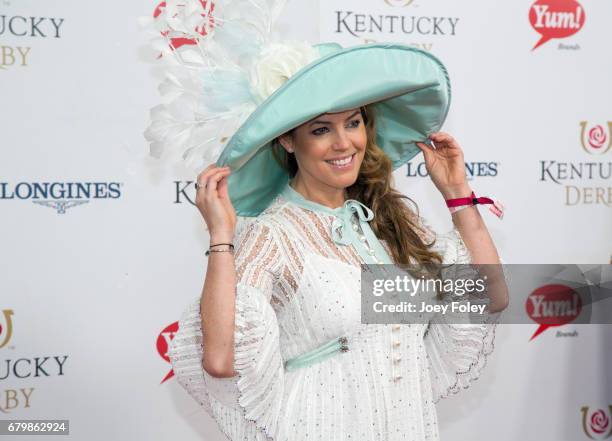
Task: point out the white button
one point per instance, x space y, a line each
355 227
397 360
362 238
398 378
396 344
396 327
371 251
381 262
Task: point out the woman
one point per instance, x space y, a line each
275 347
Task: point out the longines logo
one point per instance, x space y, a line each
13 369
163 344
20 26
556 19
473 169
596 424
60 195
595 140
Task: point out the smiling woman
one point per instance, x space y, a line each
274 347
335 157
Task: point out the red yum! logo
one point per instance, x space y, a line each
556 19
552 305
596 139
202 26
596 424
163 344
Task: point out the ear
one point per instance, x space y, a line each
286 140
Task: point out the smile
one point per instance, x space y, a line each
342 163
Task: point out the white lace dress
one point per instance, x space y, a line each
298 288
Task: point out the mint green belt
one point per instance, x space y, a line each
321 353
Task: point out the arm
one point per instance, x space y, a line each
217 309
446 168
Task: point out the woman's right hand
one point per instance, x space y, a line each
214 203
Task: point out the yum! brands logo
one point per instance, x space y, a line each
552 305
596 424
556 19
163 344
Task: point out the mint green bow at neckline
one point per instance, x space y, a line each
342 226
343 230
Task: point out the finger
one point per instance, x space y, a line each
205 169
425 148
204 176
443 138
223 187
211 184
440 135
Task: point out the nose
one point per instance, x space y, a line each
342 140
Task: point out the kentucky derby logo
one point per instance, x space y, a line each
166 14
556 19
24 26
403 3
163 344
6 329
596 424
596 140
552 305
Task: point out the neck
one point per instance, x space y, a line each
318 192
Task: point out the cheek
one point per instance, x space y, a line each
314 150
360 140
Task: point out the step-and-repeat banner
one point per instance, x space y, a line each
101 246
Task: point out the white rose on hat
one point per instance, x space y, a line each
275 64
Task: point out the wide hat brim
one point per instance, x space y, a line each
408 87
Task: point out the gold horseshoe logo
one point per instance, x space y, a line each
9 328
585 142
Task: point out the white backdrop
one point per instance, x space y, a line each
97 288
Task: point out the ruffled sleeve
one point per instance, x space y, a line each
248 405
456 352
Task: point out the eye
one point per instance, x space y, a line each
318 132
355 123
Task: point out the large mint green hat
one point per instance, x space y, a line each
410 90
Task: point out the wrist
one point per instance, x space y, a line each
456 191
221 237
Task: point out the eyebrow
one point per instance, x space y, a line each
319 121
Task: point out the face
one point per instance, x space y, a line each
329 149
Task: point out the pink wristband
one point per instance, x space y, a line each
457 204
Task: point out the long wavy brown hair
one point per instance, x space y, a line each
394 221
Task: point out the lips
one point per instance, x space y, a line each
345 162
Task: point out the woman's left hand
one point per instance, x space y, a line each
445 165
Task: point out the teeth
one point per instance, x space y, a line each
341 161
